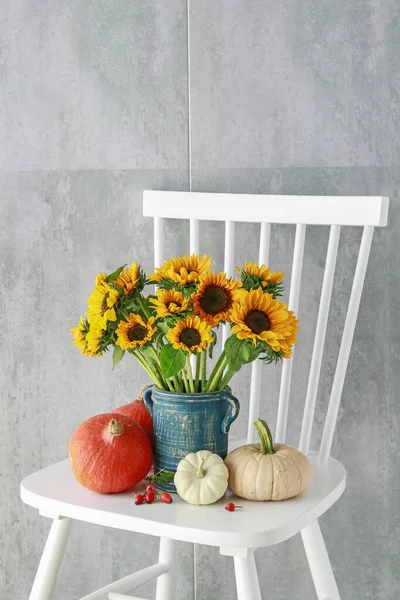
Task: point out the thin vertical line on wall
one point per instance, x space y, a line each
188 95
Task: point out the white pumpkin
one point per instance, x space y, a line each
267 471
201 477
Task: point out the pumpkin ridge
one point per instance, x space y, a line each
298 470
245 466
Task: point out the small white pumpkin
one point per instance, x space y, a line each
267 471
201 478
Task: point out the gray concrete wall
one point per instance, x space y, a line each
286 97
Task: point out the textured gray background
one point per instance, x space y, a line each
286 97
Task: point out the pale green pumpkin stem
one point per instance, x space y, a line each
190 374
203 361
201 472
264 432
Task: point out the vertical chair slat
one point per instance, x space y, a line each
319 340
194 236
228 262
194 245
345 345
286 377
158 242
256 369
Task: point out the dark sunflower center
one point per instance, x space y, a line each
104 306
257 321
137 333
190 337
215 299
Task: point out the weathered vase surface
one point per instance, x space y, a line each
184 423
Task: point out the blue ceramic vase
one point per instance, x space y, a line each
184 423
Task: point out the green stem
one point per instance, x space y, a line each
153 367
216 366
266 445
213 380
149 371
203 370
177 383
190 374
185 381
143 306
198 363
159 370
226 379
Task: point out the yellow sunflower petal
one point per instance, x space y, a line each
135 332
101 305
128 278
169 302
258 316
190 334
213 300
183 269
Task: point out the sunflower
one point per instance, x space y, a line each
183 270
190 334
79 334
87 338
93 339
169 302
258 316
135 332
101 305
100 278
214 298
128 278
261 273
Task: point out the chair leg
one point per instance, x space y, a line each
166 584
46 576
247 584
320 565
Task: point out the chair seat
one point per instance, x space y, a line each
55 491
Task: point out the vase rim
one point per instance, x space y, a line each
172 393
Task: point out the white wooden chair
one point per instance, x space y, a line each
58 496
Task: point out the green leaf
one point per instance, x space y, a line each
164 477
240 352
171 360
114 275
118 355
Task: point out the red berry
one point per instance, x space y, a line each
139 499
231 507
149 497
165 497
151 488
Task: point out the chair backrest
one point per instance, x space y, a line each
335 211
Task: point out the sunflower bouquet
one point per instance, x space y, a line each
184 319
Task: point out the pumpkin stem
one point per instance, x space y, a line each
115 427
200 473
265 435
140 397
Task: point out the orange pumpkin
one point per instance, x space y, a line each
137 411
110 453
